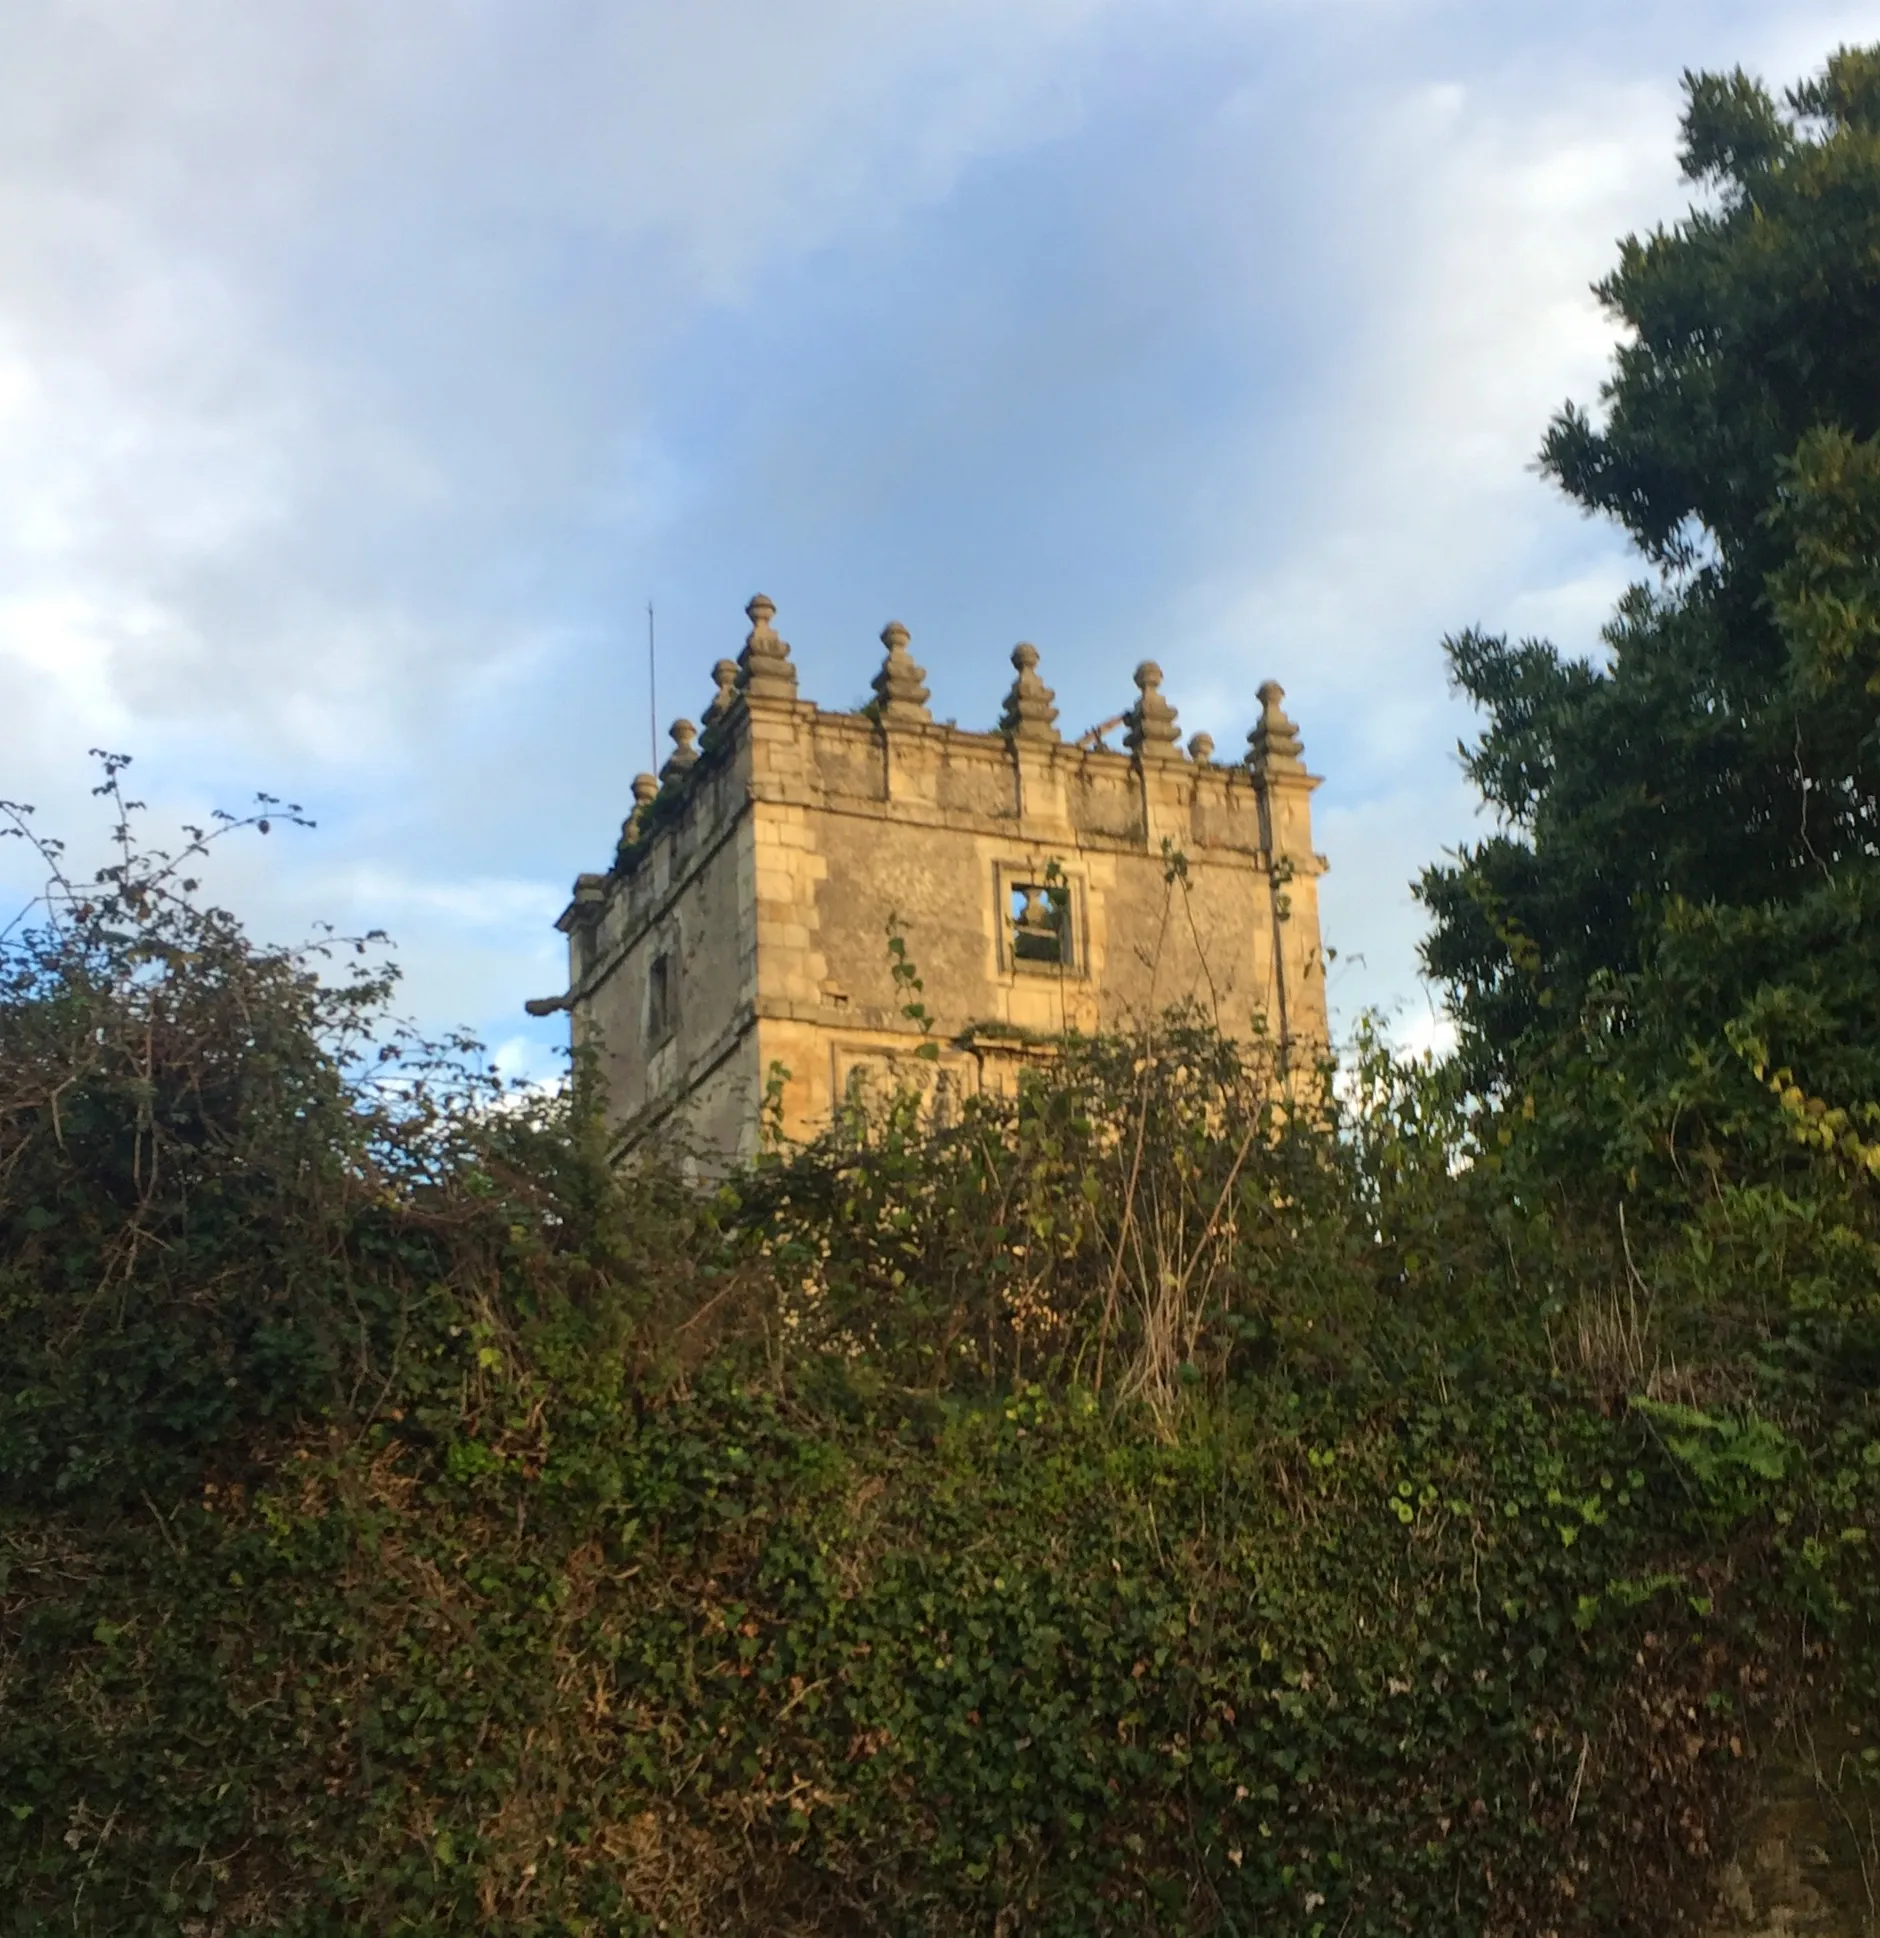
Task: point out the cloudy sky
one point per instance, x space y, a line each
365 370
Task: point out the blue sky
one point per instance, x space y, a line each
364 371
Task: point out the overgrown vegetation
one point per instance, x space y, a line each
1144 1504
1140 1505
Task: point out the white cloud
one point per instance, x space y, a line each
284 366
55 657
1572 611
361 368
1473 220
1478 228
480 903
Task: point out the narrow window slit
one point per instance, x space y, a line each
659 995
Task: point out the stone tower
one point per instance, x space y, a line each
739 945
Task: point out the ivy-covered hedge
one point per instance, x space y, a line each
730 1663
1143 1505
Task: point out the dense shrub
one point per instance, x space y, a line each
1140 1505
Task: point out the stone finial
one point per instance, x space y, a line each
1274 747
764 668
645 791
1149 726
684 755
725 678
1029 713
1201 749
900 686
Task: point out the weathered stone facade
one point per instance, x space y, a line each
743 929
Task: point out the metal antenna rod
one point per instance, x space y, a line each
652 692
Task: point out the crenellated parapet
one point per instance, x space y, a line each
744 915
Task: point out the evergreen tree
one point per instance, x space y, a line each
1727 754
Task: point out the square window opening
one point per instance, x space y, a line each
1039 918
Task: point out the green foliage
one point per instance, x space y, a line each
1825 594
237 1199
1147 1216
910 988
779 1673
1724 754
1157 1501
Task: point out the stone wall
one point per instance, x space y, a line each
1037 885
689 903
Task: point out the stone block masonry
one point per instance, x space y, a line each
742 929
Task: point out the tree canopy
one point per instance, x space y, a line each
1726 753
